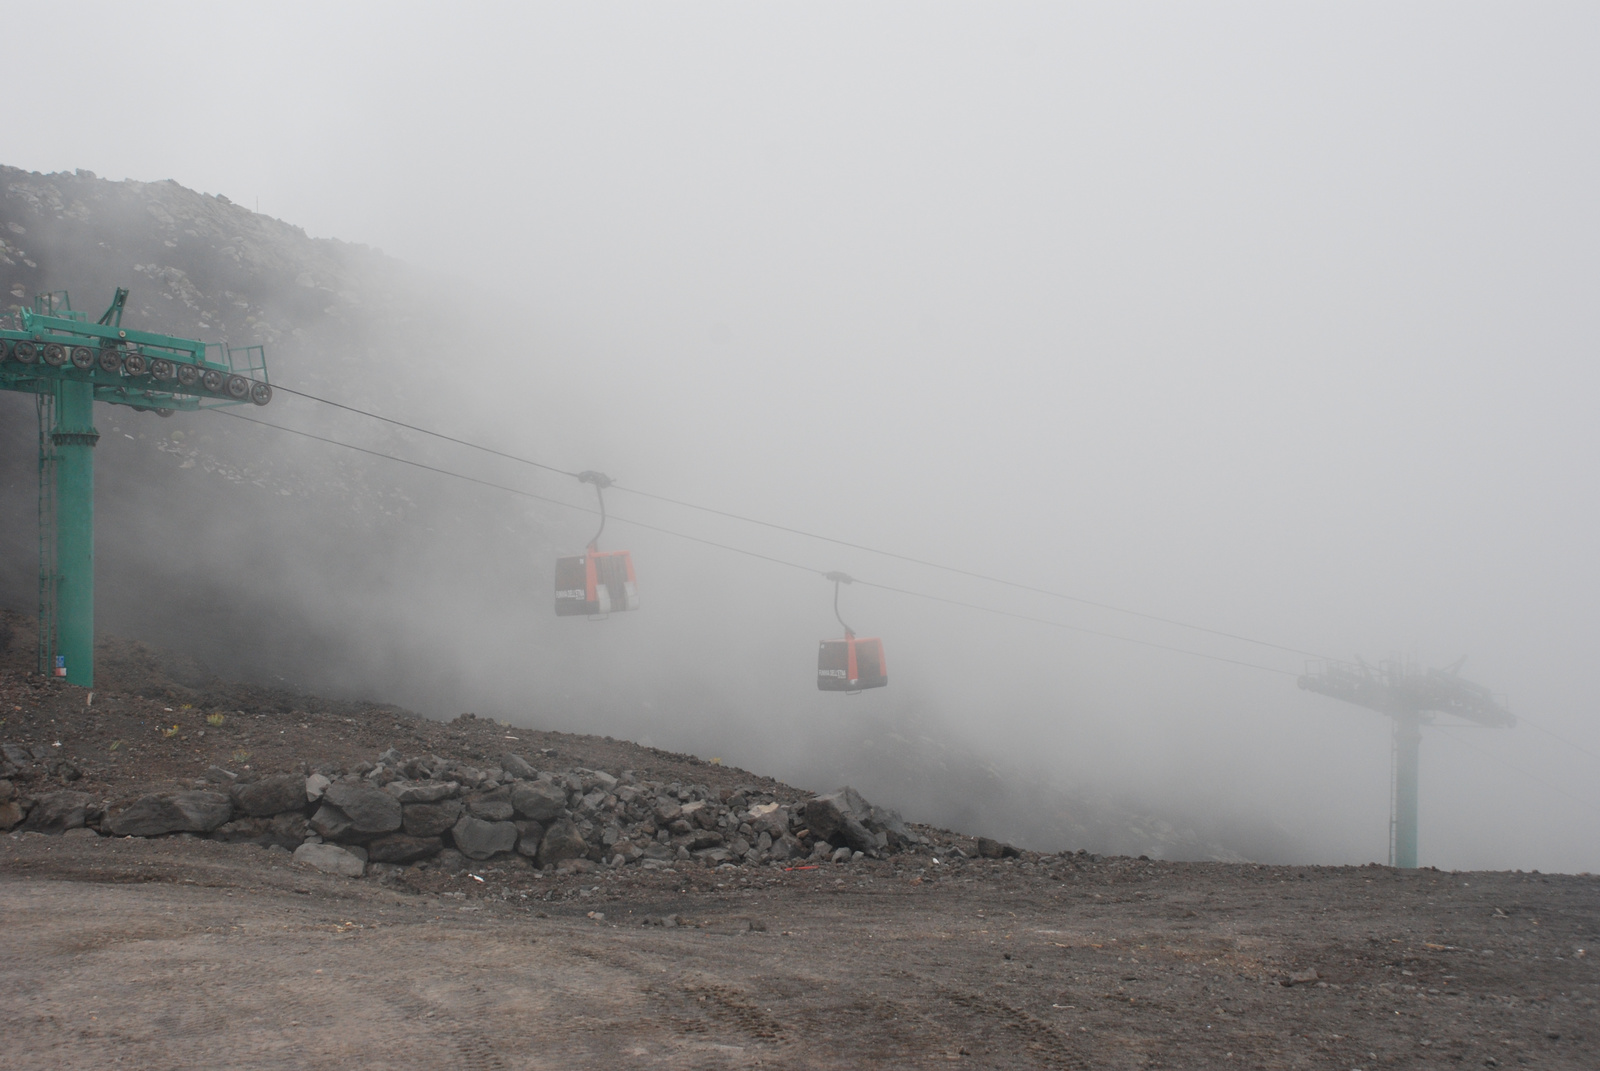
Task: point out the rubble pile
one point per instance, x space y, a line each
432 810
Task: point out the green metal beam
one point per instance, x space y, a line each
74 437
1407 756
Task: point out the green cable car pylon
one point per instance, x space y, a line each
1413 698
53 351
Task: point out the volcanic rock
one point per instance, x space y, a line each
270 795
403 848
331 859
561 841
11 814
529 834
993 849
477 839
518 767
494 806
539 800
421 791
370 811
185 812
431 819
57 812
837 818
331 822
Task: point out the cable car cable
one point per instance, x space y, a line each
423 431
819 536
1511 766
1073 628
973 575
756 554
1556 736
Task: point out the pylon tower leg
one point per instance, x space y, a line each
74 437
1407 752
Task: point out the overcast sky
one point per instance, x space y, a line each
1275 318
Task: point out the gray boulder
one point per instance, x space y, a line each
539 800
529 834
246 830
331 822
371 811
430 819
770 819
11 814
330 859
989 848
493 806
705 838
517 767
668 810
403 848
837 818
421 791
57 812
561 841
185 812
290 828
270 795
316 785
477 839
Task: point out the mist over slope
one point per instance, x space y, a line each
257 552
292 562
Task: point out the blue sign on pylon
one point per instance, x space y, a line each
61 665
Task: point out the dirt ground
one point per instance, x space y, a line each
180 952
174 953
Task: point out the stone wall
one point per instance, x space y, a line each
409 810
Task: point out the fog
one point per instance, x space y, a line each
1275 320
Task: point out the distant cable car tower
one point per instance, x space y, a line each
599 582
53 351
1412 697
854 663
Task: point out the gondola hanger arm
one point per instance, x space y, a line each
840 578
601 481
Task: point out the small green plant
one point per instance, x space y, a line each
215 720
241 755
115 744
170 732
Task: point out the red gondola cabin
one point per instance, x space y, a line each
851 664
599 582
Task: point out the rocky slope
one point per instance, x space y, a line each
289 563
